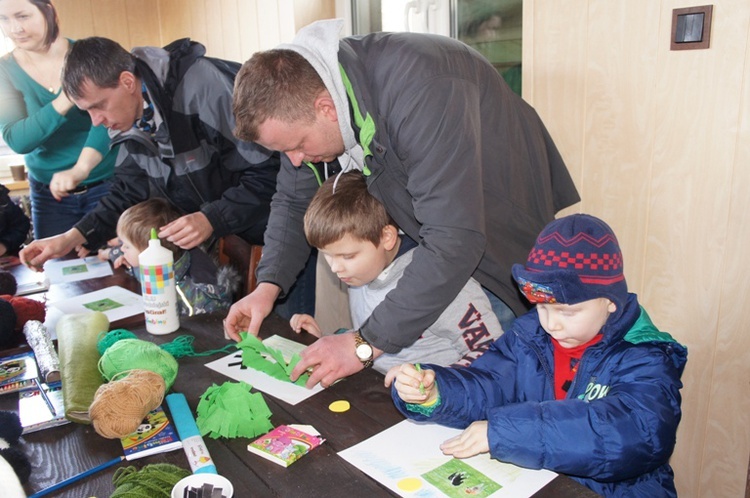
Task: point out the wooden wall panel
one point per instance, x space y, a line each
694 149
76 18
619 111
659 143
143 26
175 20
108 20
249 37
558 54
230 29
306 11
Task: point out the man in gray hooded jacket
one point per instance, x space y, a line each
170 109
464 166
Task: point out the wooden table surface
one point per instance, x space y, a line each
60 452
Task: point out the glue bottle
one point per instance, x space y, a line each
156 268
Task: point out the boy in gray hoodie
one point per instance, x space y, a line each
362 245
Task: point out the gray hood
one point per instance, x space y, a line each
318 43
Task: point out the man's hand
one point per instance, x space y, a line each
187 231
65 181
301 321
248 313
331 358
413 386
472 441
38 252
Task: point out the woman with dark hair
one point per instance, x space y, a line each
69 161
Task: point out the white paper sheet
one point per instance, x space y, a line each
405 458
115 302
73 270
231 366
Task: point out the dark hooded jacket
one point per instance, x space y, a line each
193 160
464 166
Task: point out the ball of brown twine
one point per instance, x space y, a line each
120 406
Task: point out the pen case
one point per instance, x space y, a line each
77 337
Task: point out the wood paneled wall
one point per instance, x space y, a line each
231 29
658 142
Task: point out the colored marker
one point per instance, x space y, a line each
421 386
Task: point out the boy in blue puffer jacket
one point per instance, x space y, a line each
584 384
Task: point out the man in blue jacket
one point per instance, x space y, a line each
462 164
583 385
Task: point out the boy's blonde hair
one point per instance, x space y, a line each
136 222
349 209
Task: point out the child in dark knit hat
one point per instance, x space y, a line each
584 384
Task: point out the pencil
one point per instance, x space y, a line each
46 398
78 477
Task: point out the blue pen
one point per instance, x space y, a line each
192 442
78 477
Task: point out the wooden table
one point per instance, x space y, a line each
61 452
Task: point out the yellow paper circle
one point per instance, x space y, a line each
410 484
339 406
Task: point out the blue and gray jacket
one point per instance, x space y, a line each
193 159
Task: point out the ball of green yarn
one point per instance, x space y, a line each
112 337
131 354
152 481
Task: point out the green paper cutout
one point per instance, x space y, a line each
253 351
231 410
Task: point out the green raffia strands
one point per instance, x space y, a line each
231 410
152 481
253 351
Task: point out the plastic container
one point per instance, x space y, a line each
158 287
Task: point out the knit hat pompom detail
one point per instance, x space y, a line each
576 258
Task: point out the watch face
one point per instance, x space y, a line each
364 352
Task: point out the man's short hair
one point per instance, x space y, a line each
278 84
97 60
346 209
136 222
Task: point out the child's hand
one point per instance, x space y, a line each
120 261
472 441
103 254
413 386
301 321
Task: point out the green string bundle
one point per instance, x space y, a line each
155 480
180 347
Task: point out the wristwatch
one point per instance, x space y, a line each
363 349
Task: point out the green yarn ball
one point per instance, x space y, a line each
106 339
131 354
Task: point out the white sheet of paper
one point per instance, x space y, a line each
408 450
231 366
115 302
73 270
